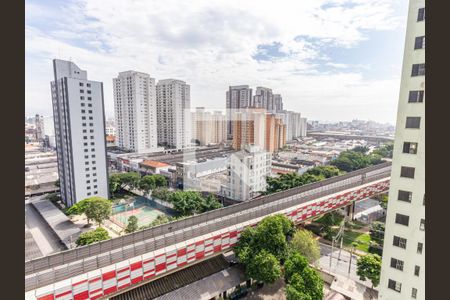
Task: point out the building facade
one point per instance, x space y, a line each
135 111
78 112
173 103
247 172
237 97
403 264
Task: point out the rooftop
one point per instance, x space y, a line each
154 164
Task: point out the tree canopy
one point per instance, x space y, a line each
97 209
303 241
264 267
93 236
132 225
303 281
369 268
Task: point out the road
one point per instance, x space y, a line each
340 263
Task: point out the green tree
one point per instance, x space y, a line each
385 150
361 149
147 183
264 267
325 171
210 203
97 209
53 197
132 225
114 184
301 277
369 267
377 232
160 180
162 194
130 179
303 241
57 183
78 208
93 236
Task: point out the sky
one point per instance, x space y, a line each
333 60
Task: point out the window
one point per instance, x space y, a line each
416 270
89 98
84 124
407 172
82 104
92 143
422 224
412 122
418 70
88 187
88 181
89 104
404 196
421 14
399 242
416 96
96 187
410 148
85 150
414 293
81 97
86 169
88 194
90 111
81 84
397 264
86 156
94 168
95 192
419 43
402 219
88 84
88 91
84 137
419 248
86 162
95 180
83 111
394 285
85 144
82 91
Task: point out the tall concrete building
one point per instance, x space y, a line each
293 124
208 128
263 99
135 111
237 97
403 265
173 103
78 112
247 172
277 103
275 133
39 123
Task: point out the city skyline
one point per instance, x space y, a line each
352 48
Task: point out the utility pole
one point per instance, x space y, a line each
340 248
331 254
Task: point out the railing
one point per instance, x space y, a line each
84 259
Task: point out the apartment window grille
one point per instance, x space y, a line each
413 122
419 43
418 70
416 270
407 172
421 14
399 242
404 196
410 148
402 219
414 293
397 264
394 285
419 248
422 224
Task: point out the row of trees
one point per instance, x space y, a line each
267 256
133 180
348 161
187 203
291 180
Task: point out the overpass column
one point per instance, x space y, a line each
351 211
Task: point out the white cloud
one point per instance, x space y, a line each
210 45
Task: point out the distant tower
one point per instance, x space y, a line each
135 111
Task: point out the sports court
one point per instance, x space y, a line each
144 209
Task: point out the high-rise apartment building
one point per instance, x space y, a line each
277 102
78 112
237 97
173 103
247 172
208 128
263 99
39 123
295 126
275 133
135 111
403 265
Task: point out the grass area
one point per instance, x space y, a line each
363 240
355 225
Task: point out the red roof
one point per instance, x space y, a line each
154 164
